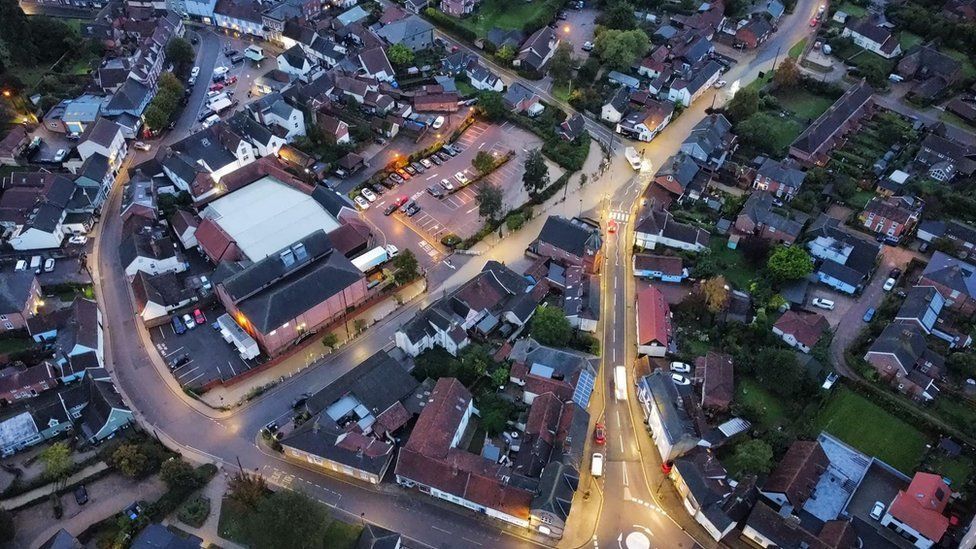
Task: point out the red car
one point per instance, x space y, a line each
216 87
232 80
612 227
813 22
401 201
198 316
600 434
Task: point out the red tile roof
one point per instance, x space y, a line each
653 317
544 416
217 244
798 472
806 327
922 505
440 419
717 385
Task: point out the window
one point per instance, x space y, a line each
8 325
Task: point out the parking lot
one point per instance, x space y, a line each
457 212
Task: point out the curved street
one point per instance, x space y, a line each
624 501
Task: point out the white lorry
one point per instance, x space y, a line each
634 158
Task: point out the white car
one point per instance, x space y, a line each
720 84
362 203
877 510
368 194
139 145
205 283
680 367
48 264
426 163
888 285
587 46
596 466
189 322
59 156
823 303
438 122
21 265
79 239
220 71
195 71
461 178
680 379
446 183
392 250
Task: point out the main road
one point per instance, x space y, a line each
226 437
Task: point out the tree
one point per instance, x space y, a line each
536 176
789 263
506 53
475 360
287 519
156 118
561 65
494 412
406 266
962 364
754 456
618 15
57 461
716 292
330 340
755 131
550 327
515 221
755 249
787 74
779 371
359 325
619 48
743 105
400 55
179 52
484 161
489 199
177 473
499 377
130 460
247 489
492 105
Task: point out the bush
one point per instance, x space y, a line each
450 240
194 512
450 24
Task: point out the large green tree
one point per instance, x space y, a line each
489 199
536 176
743 105
753 456
620 48
492 105
57 461
177 473
180 53
550 327
618 14
406 266
400 55
779 371
484 161
561 65
286 520
789 263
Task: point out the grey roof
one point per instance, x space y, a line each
830 122
398 31
103 132
295 56
245 126
936 148
374 60
379 382
270 293
564 362
775 8
500 37
620 99
568 235
666 400
698 50
952 273
681 168
517 93
205 146
701 76
62 540
950 229
375 537
710 133
906 342
95 168
860 261
917 303
352 15
761 209
157 536
145 243
15 291
163 289
132 95
557 486
782 172
102 399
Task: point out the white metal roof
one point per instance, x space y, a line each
267 215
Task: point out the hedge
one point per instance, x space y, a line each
450 24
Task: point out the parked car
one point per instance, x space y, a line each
392 250
461 178
368 194
894 273
868 315
435 159
410 170
216 87
878 510
78 239
888 285
81 495
413 209
720 84
823 303
446 183
443 156
361 202
378 189
450 150
680 367
189 322
404 174
390 209
832 378
220 71
587 46
141 146
436 191
205 283
401 201
600 434
418 166
21 265
680 379
195 72
300 401
178 327
438 122
59 156
198 316
426 163
178 360
48 264
596 465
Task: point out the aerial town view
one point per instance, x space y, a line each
486 274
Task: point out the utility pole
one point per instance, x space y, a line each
776 59
239 466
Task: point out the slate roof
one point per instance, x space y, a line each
662 223
666 264
798 472
375 537
831 121
675 420
761 210
398 31
567 235
163 289
870 28
536 47
295 56
131 96
782 172
711 134
95 168
953 273
717 381
806 327
270 293
620 99
374 60
157 536
907 343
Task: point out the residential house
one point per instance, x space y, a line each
918 513
691 85
131 99
801 330
813 145
754 33
682 177
537 50
901 356
621 79
646 123
104 137
284 120
945 157
13 145
95 178
22 383
955 279
710 142
73 116
572 127
69 333
615 108
655 333
417 6
412 31
671 426
336 131
761 217
932 71
243 16
289 294
293 61
766 527
372 536
148 250
716 373
156 296
520 99
795 477
659 227
482 78
781 178
655 64
158 535
540 370
873 34
893 216
34 209
197 163
376 65
139 197
922 307
961 236
846 261
185 225
571 242
435 102
581 299
666 268
715 502
458 8
354 418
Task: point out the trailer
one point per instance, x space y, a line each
232 332
371 259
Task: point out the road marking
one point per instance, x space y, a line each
623 468
221 374
187 372
194 379
440 529
619 424
621 440
481 145
449 265
178 349
471 210
613 353
470 541
432 177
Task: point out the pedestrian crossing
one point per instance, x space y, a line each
620 216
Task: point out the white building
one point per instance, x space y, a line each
104 137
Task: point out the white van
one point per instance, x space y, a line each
213 119
596 465
35 264
823 303
21 265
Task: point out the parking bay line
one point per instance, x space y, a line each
232 367
188 372
194 379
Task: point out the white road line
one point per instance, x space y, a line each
619 424
470 541
471 210
432 177
481 145
623 468
613 354
178 349
232 367
194 379
221 374
440 529
449 265
187 372
620 438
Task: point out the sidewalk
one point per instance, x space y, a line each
237 394
27 498
209 532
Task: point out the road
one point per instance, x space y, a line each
228 436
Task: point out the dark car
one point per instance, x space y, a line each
418 166
405 206
390 209
389 183
413 209
435 191
377 188
443 156
450 150
81 495
894 273
178 360
436 159
205 115
178 326
235 59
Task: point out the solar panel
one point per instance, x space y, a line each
584 388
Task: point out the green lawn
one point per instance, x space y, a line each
732 265
561 93
464 87
957 469
502 14
908 40
968 70
869 428
866 59
859 199
805 105
784 133
15 344
797 48
851 9
749 392
233 515
342 535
